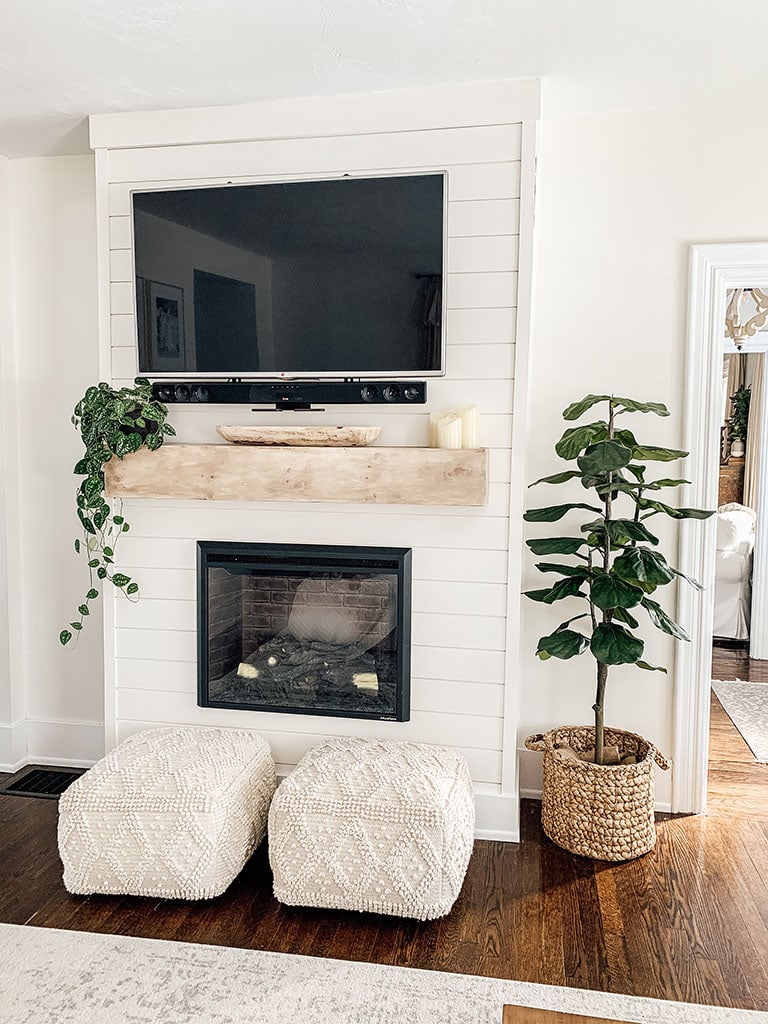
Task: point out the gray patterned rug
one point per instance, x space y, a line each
62 977
746 704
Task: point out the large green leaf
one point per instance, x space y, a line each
630 405
563 588
557 478
576 439
552 513
653 454
614 645
624 616
622 531
604 457
688 579
565 570
695 513
608 592
577 409
662 621
556 545
651 668
564 644
643 567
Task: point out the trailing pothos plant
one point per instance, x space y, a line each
617 562
111 423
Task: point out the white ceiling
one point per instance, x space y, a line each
61 60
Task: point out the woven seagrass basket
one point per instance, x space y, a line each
600 811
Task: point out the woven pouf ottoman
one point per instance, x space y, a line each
374 825
170 812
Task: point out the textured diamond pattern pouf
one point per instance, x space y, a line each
172 812
373 825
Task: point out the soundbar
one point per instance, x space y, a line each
293 394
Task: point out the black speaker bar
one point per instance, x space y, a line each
293 394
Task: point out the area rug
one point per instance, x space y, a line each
746 704
61 977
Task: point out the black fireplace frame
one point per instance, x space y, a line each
298 558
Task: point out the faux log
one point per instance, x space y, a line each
387 476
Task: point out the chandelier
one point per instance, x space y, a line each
736 328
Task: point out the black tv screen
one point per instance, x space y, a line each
332 278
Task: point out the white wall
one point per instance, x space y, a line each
56 357
621 197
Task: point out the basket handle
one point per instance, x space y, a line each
660 760
538 742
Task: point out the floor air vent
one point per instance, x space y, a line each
43 782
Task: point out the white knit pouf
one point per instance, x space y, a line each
375 825
171 812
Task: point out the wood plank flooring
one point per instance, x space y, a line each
689 921
736 782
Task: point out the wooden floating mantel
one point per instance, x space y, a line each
385 476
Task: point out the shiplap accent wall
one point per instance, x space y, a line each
465 560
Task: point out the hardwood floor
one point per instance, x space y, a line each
689 921
736 783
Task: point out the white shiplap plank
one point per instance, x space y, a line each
119 234
425 727
124 362
121 297
467 362
122 331
484 181
460 665
203 520
481 326
488 253
320 157
484 217
459 564
121 265
481 291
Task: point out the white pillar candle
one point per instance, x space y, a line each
470 426
434 419
449 431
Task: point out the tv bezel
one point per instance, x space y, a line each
297 375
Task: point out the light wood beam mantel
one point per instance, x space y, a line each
388 476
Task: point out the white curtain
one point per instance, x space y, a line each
754 429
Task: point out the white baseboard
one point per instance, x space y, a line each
50 741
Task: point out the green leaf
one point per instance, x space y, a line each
622 531
565 570
108 551
624 616
132 588
557 478
662 621
576 439
64 637
556 545
120 580
643 567
83 609
604 457
125 527
76 625
564 644
101 572
577 409
688 579
695 513
561 589
554 512
614 645
630 405
656 485
77 546
651 668
609 592
653 454
93 563
118 520
92 593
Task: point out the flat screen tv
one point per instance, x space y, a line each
338 278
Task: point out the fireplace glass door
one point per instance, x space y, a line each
304 629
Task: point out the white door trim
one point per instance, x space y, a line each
713 270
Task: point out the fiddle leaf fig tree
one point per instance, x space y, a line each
111 423
617 566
